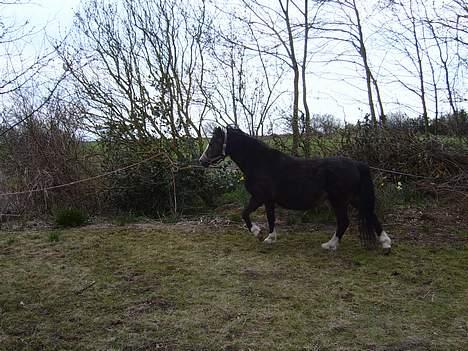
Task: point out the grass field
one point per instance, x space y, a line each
193 286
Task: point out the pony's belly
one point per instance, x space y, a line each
301 201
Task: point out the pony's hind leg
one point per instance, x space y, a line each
342 223
270 211
251 207
382 236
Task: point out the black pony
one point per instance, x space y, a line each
274 178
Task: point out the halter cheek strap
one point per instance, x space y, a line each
225 142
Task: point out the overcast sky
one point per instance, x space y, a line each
56 14
335 96
56 17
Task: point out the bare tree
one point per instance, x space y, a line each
281 30
141 67
405 35
447 33
244 88
443 51
345 25
307 120
18 68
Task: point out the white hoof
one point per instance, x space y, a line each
255 230
328 246
271 238
332 244
385 240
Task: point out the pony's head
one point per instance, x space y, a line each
215 152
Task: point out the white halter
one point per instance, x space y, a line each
225 142
217 159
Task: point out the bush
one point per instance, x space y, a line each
70 217
163 183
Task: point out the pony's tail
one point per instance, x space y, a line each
366 209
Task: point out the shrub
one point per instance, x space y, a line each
70 217
42 152
163 183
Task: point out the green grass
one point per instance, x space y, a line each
190 287
53 236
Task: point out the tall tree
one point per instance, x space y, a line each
345 25
244 87
406 36
282 29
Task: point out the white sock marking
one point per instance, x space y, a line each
255 230
331 244
271 238
385 240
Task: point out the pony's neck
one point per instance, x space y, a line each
245 151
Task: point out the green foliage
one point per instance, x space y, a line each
451 124
231 183
164 183
391 194
70 217
236 196
319 214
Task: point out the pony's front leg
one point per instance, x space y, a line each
270 212
251 206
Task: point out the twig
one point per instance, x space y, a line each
29 115
86 287
399 173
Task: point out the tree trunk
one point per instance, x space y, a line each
363 53
307 126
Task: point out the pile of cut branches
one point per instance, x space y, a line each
435 165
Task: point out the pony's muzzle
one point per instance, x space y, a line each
204 161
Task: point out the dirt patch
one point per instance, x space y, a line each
429 225
446 226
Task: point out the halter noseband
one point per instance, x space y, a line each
219 158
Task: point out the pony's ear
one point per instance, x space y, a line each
217 130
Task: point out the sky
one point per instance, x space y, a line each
57 15
326 96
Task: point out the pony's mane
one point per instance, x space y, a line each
250 140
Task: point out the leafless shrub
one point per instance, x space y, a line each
45 151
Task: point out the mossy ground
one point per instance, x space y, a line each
213 287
